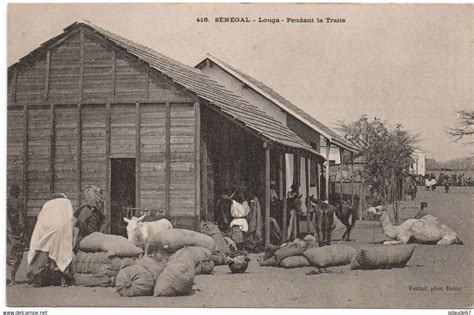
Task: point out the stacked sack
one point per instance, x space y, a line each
180 255
289 255
101 257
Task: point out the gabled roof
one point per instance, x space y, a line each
282 102
195 81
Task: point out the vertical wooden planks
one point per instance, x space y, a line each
79 153
137 156
267 193
81 67
52 149
25 155
13 92
65 152
46 85
197 161
167 159
353 178
114 67
107 162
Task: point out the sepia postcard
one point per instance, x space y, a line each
238 155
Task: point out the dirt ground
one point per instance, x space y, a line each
431 266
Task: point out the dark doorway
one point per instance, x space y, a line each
122 192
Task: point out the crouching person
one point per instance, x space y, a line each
90 216
51 244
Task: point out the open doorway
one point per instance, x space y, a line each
122 191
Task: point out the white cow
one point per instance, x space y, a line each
141 233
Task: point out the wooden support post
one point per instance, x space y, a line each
353 178
167 159
79 153
46 84
308 225
52 148
147 84
108 213
197 165
81 68
204 179
25 156
328 148
282 194
137 156
267 193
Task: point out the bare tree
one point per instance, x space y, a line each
465 127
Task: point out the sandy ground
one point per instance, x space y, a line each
431 266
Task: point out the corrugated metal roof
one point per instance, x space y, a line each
267 91
206 88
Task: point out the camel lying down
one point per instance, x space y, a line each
428 229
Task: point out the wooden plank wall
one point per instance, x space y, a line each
66 92
93 159
66 152
152 156
182 164
15 135
39 154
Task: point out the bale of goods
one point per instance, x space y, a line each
238 262
294 262
178 238
153 266
93 280
176 279
328 256
134 280
284 252
191 256
213 231
382 257
98 263
270 262
114 245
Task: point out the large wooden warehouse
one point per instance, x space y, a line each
89 107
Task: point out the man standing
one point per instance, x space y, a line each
16 215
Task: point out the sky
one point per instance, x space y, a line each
408 64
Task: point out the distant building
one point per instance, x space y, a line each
419 164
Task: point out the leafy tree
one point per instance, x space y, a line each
387 152
465 127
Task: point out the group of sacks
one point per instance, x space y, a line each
177 255
301 253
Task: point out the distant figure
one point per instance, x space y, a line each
427 183
421 213
446 184
16 215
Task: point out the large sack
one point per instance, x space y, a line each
328 256
153 266
93 280
191 256
97 263
177 279
134 280
382 257
213 231
270 262
284 252
114 245
178 238
294 262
